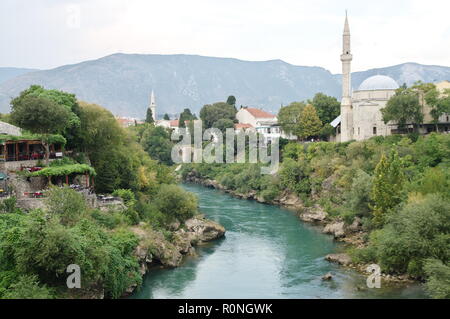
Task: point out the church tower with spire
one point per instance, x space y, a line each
346 104
152 105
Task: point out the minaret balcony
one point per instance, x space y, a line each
346 57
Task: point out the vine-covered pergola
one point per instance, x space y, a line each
65 171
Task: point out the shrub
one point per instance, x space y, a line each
27 287
175 203
438 275
418 232
67 204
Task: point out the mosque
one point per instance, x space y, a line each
361 116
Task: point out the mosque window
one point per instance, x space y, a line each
374 130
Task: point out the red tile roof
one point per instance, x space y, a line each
241 126
257 113
174 123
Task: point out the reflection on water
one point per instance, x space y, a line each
267 253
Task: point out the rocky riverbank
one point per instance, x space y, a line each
167 250
352 235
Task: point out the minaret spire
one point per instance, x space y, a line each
346 104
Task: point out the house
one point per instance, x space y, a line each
263 122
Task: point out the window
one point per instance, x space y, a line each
359 131
374 130
448 119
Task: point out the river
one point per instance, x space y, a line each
267 253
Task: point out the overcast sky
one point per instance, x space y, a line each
49 33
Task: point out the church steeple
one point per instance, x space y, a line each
346 104
152 105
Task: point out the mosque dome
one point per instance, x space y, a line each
378 82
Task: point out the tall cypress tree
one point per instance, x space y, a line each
149 117
387 190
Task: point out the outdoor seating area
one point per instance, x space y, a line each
25 150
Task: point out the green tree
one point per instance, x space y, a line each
149 118
166 117
186 116
27 287
176 203
438 278
309 124
387 189
327 107
212 113
403 108
289 117
439 104
41 116
231 100
418 232
67 100
156 142
223 124
66 204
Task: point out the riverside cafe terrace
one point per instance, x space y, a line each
26 149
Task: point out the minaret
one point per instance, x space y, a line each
346 104
152 105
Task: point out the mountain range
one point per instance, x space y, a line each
122 82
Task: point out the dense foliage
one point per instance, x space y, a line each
37 246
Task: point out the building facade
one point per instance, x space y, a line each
263 122
361 116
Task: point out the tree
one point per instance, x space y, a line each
387 189
27 287
72 131
166 117
212 113
309 124
231 100
176 203
403 108
223 124
186 115
289 117
156 142
66 204
439 104
327 107
149 118
41 116
438 275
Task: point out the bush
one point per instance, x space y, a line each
67 204
438 275
27 287
418 232
126 195
359 196
175 203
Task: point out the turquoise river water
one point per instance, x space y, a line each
267 252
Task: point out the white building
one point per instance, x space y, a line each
263 122
361 116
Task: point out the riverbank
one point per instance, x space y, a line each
268 253
351 235
158 249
